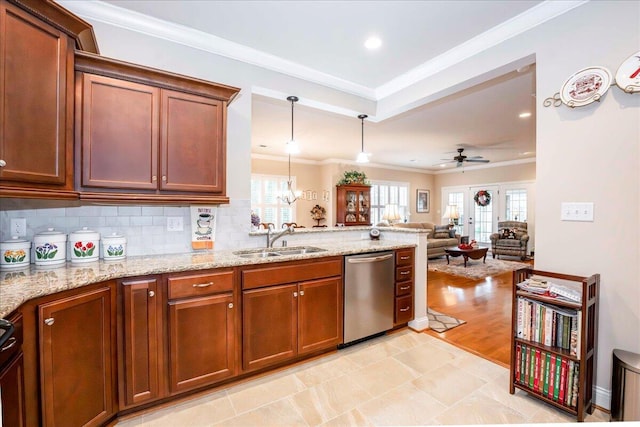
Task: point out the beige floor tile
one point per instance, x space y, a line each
329 399
405 405
279 413
382 376
448 384
321 371
481 367
480 409
131 422
349 419
365 355
203 411
424 358
407 339
253 394
458 352
549 414
521 402
599 416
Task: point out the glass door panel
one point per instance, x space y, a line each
484 219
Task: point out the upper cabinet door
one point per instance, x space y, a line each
36 112
119 133
192 143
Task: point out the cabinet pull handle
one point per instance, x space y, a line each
404 273
202 285
301 293
49 321
230 305
404 288
405 309
2 163
295 295
154 178
10 343
404 257
151 294
164 178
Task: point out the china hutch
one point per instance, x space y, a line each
353 204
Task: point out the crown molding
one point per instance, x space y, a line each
486 166
144 24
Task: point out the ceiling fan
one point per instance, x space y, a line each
460 158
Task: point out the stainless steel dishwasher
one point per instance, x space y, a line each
368 295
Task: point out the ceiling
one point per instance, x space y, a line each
323 42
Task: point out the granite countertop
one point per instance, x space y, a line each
17 287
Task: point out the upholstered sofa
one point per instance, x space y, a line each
511 239
438 238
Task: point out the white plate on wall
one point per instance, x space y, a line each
628 74
585 86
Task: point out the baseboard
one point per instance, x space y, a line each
602 397
420 324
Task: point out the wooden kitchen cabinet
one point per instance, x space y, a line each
12 396
140 341
290 309
202 319
148 135
77 354
36 107
353 204
404 286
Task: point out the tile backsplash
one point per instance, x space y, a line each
145 227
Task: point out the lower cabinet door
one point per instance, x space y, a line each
201 341
269 326
12 409
77 350
319 315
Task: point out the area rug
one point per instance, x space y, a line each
475 269
440 322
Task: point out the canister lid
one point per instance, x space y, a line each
85 230
114 238
51 235
50 232
15 239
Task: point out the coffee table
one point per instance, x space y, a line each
475 253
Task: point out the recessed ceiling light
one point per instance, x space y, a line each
262 146
525 115
373 42
443 165
412 160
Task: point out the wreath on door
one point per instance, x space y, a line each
482 198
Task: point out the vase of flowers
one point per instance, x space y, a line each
318 213
255 221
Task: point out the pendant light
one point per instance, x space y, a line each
290 196
362 156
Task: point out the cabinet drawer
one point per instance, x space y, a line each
404 288
291 273
404 309
199 284
404 257
404 273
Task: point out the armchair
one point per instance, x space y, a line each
511 239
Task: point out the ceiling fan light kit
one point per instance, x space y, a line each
461 158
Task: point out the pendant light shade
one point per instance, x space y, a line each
290 196
362 156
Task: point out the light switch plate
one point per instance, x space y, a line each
175 223
576 211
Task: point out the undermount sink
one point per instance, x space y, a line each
271 252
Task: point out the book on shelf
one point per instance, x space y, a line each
545 287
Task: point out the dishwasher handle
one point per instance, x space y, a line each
369 259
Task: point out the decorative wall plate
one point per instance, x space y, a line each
585 86
628 74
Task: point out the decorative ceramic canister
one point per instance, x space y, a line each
85 245
50 248
114 247
15 253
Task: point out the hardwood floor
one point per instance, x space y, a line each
485 304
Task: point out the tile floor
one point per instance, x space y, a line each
405 378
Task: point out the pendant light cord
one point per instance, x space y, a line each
362 117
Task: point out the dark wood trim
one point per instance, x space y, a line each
152 198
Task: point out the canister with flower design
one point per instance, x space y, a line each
85 245
114 247
15 253
50 248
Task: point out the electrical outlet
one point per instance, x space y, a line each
175 223
18 227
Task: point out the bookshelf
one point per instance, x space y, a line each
554 338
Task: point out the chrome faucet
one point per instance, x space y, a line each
271 240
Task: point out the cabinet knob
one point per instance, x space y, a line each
164 178
2 163
151 294
405 309
301 293
49 321
295 295
154 178
230 305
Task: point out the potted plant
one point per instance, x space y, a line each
353 177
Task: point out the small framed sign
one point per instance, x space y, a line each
422 201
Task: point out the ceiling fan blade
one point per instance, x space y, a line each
477 160
474 157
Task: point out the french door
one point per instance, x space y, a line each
483 218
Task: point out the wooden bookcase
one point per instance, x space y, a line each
353 205
531 369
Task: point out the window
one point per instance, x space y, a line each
516 204
389 192
265 190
